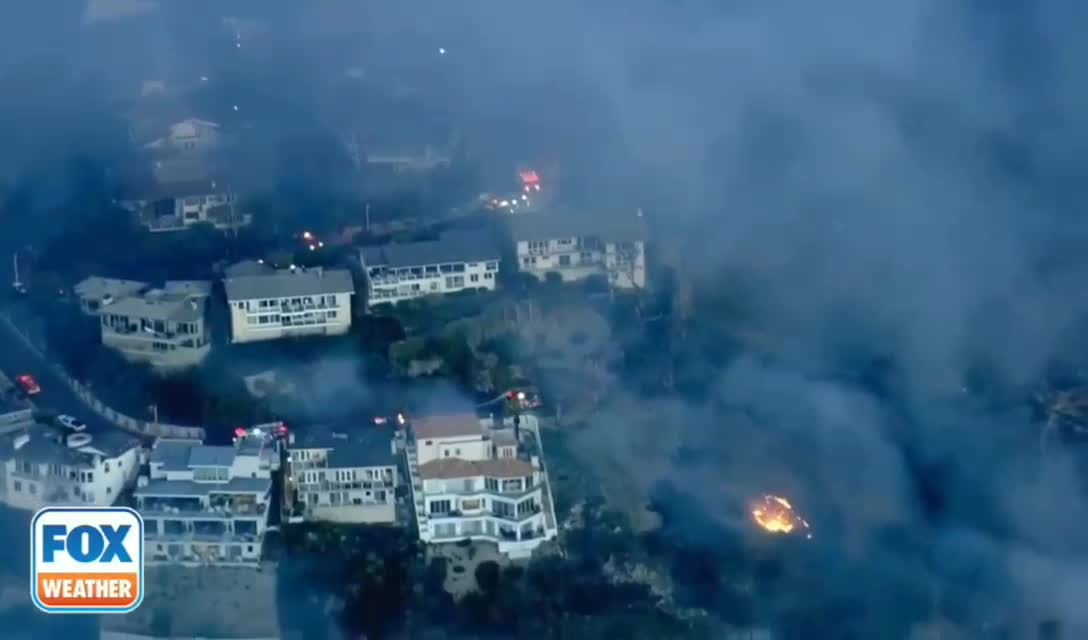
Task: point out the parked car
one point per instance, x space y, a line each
29 384
69 422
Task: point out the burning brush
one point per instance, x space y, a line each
775 515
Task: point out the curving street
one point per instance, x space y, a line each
18 356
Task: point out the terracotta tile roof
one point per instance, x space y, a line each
447 426
448 468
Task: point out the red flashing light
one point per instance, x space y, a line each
529 177
240 432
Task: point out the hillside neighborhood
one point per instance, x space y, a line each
468 322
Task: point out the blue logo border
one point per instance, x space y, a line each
82 610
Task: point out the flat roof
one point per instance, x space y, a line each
209 456
286 284
451 247
359 445
448 425
447 468
173 454
190 488
554 224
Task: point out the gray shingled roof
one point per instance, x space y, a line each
553 224
286 284
96 288
362 445
157 305
208 456
196 288
189 488
451 247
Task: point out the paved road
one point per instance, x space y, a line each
17 357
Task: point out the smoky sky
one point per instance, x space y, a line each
897 178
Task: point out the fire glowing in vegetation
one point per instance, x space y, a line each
775 515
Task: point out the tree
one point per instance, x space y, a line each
487 577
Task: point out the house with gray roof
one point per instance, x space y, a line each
456 261
167 330
206 504
289 303
177 199
343 474
575 245
41 466
95 291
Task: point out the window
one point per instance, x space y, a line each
489 276
428 442
564 260
32 488
474 278
446 453
106 467
109 490
440 506
18 486
249 548
491 484
90 476
331 315
457 452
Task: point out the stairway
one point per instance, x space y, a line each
412 457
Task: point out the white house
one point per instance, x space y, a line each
40 466
473 480
343 475
188 135
177 206
289 303
166 330
207 504
455 262
576 246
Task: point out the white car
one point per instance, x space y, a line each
71 423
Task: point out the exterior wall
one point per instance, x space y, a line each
190 530
464 447
474 514
193 136
353 513
624 264
358 494
168 349
194 209
407 283
37 485
256 320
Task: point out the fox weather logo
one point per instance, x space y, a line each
87 560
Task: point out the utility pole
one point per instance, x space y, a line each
15 267
154 414
367 217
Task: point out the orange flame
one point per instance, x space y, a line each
775 515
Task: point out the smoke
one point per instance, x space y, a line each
899 180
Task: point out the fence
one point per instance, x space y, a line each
128 423
116 418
